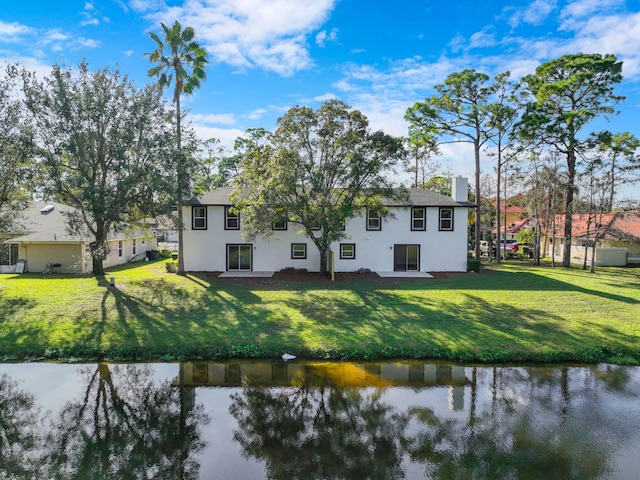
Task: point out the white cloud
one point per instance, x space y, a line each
323 37
58 40
13 32
617 34
535 14
256 114
483 38
250 33
224 118
227 136
587 8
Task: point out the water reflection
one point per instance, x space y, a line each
318 420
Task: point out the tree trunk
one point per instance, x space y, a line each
179 193
97 267
476 147
568 211
323 261
98 251
498 222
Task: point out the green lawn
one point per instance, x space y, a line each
512 313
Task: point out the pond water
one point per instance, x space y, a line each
317 420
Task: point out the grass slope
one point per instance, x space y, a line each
515 312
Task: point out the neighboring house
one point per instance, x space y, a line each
618 237
43 242
165 228
511 214
428 234
511 230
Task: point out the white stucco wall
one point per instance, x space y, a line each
205 250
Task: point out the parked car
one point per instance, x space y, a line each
510 248
484 248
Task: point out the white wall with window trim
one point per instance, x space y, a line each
205 250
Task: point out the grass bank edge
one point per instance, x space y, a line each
359 349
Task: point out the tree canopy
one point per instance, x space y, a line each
102 144
458 111
564 96
16 166
318 169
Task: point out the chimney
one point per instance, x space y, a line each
460 189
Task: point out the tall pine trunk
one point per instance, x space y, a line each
568 210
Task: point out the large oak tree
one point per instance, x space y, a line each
318 169
102 144
16 165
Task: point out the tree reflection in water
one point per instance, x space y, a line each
519 423
127 427
321 431
506 423
20 427
535 427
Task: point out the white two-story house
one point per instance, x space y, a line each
427 234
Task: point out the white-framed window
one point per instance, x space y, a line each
134 246
231 220
418 218
374 221
199 218
348 251
446 219
280 224
120 249
298 251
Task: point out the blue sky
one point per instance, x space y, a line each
269 55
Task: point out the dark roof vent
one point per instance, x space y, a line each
46 209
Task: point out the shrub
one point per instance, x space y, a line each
473 265
172 266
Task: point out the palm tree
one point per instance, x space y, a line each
185 60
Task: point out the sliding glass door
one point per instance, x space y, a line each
406 258
239 257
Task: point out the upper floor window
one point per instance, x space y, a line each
280 224
199 218
135 249
231 220
120 249
374 220
446 218
418 218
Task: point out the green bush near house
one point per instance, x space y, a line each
473 265
171 266
513 312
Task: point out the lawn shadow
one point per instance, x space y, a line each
160 315
471 330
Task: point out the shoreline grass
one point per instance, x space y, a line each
510 313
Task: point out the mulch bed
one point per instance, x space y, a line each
305 277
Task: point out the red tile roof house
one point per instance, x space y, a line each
618 238
428 234
510 231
